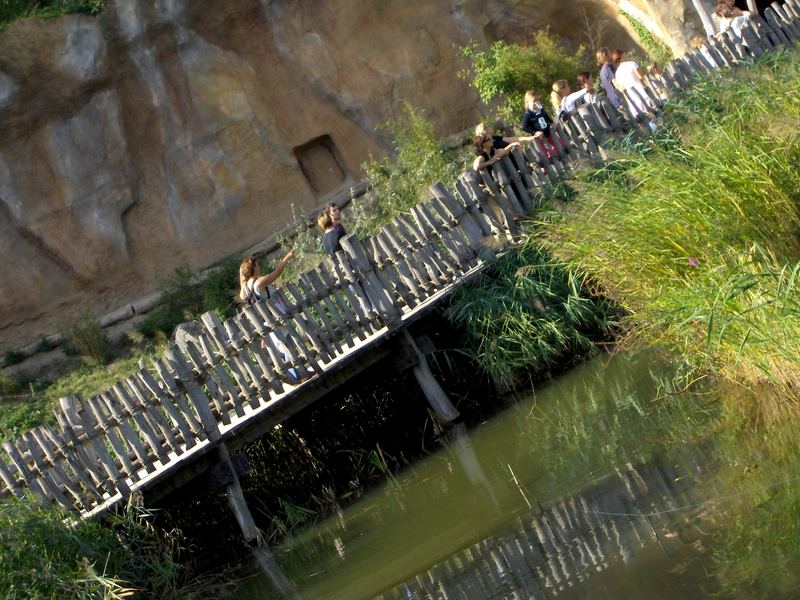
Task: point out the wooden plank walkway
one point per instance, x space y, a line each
152 429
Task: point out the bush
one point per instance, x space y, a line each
697 234
527 315
397 183
504 72
86 339
221 289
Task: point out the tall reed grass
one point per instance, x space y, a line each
696 233
527 315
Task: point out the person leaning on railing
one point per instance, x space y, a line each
490 148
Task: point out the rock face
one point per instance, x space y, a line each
674 21
174 132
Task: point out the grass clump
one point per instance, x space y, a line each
528 315
696 234
502 73
85 338
127 557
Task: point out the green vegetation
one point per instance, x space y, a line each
504 72
657 50
10 10
528 314
86 339
696 236
45 558
398 182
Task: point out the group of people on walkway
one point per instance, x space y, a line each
621 80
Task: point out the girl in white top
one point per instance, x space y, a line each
730 16
629 78
564 101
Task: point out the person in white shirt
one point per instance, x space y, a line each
731 17
564 101
629 78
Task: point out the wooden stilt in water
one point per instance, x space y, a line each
251 534
436 396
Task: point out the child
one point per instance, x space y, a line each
329 220
537 122
565 101
487 153
535 119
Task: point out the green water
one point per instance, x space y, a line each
608 482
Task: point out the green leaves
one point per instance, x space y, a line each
503 73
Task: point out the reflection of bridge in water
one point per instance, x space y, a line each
551 550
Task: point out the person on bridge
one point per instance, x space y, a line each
607 71
489 148
252 285
564 101
330 221
537 122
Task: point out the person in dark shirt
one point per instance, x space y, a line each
329 220
486 154
535 120
607 72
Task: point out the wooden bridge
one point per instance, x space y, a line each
179 415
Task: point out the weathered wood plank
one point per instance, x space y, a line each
319 312
328 295
149 405
118 415
88 474
120 395
220 387
166 402
375 289
75 414
169 382
330 279
257 346
51 481
174 357
352 287
47 462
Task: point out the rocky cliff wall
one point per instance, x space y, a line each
174 132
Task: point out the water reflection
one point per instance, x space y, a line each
555 550
591 489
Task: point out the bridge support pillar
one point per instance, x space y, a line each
434 393
251 534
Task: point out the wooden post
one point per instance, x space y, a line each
436 396
251 534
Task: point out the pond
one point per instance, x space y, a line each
610 481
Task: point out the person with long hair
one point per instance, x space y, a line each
607 73
252 285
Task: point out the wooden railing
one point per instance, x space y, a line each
150 424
